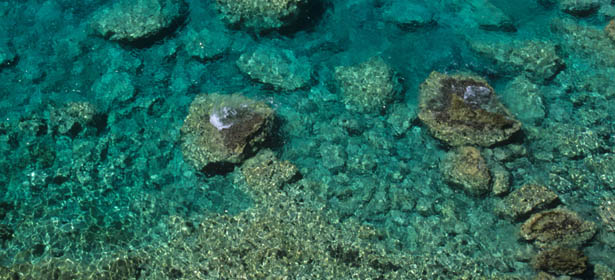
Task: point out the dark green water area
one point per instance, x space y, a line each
307 139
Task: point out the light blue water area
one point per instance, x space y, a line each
91 133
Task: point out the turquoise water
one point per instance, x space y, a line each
103 176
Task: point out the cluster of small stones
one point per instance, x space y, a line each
369 86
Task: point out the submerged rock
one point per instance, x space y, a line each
265 172
580 8
222 130
557 228
408 15
7 55
261 15
464 110
524 100
610 29
136 20
522 202
72 117
561 261
279 68
206 44
535 59
466 167
369 86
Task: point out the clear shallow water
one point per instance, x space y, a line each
94 182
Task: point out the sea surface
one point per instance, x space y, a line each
350 172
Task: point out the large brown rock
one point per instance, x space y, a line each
557 228
464 110
561 261
221 130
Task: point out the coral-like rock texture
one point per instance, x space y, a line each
557 228
464 110
369 86
135 20
529 198
279 68
466 167
221 130
561 261
261 15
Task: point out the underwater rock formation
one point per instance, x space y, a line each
529 198
606 211
279 68
7 55
501 180
137 20
206 44
524 100
561 261
557 228
464 110
610 29
537 60
580 8
369 86
488 16
408 15
261 15
221 130
466 167
265 172
72 117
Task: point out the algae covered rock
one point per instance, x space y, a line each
279 68
261 15
464 110
527 199
222 130
561 261
466 167
135 20
557 228
369 86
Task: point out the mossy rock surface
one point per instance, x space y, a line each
464 110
